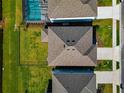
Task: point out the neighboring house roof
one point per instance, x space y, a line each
71 46
72 8
74 83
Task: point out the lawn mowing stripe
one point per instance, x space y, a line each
10 73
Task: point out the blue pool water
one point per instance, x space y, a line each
33 10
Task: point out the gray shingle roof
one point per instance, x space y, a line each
74 83
71 46
44 36
72 8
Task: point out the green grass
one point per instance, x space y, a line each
104 65
118 1
33 79
1 46
38 79
104 32
118 88
18 78
1 56
32 50
106 88
104 2
118 33
10 46
117 65
18 12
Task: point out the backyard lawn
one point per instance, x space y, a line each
33 79
18 78
32 50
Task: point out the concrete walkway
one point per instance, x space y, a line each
116 53
104 53
108 12
116 11
107 77
104 12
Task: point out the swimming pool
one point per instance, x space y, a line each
33 10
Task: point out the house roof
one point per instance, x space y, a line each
71 46
72 8
44 36
74 83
